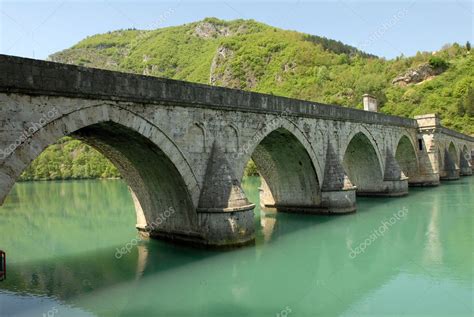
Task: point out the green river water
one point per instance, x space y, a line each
410 256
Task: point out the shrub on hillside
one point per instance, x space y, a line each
438 62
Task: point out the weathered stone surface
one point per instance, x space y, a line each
182 147
221 191
465 162
335 178
414 76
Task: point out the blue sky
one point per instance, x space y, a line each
386 28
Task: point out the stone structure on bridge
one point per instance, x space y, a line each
183 147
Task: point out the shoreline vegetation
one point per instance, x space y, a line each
69 179
69 159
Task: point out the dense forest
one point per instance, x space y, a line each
249 55
70 159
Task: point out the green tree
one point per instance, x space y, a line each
469 102
438 62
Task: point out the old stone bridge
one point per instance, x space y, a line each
182 147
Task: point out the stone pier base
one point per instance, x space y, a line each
337 207
467 171
394 188
450 175
332 202
230 228
339 202
179 237
429 180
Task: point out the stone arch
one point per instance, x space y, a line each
359 128
449 165
363 165
231 139
279 123
410 138
453 153
290 179
407 158
155 169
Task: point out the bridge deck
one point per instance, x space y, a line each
37 77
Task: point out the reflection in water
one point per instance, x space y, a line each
267 222
68 259
142 260
433 252
42 220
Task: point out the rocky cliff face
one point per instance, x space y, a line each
417 75
219 73
210 30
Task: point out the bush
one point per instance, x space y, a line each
251 169
438 62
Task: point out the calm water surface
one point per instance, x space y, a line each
410 256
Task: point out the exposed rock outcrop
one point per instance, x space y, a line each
210 30
417 75
219 72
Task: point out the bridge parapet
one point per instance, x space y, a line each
37 77
456 134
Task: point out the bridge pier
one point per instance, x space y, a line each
465 168
339 201
472 161
265 195
395 188
371 182
428 156
450 170
395 183
450 175
426 181
466 171
338 194
225 215
335 201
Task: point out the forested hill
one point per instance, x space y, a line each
249 55
253 56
